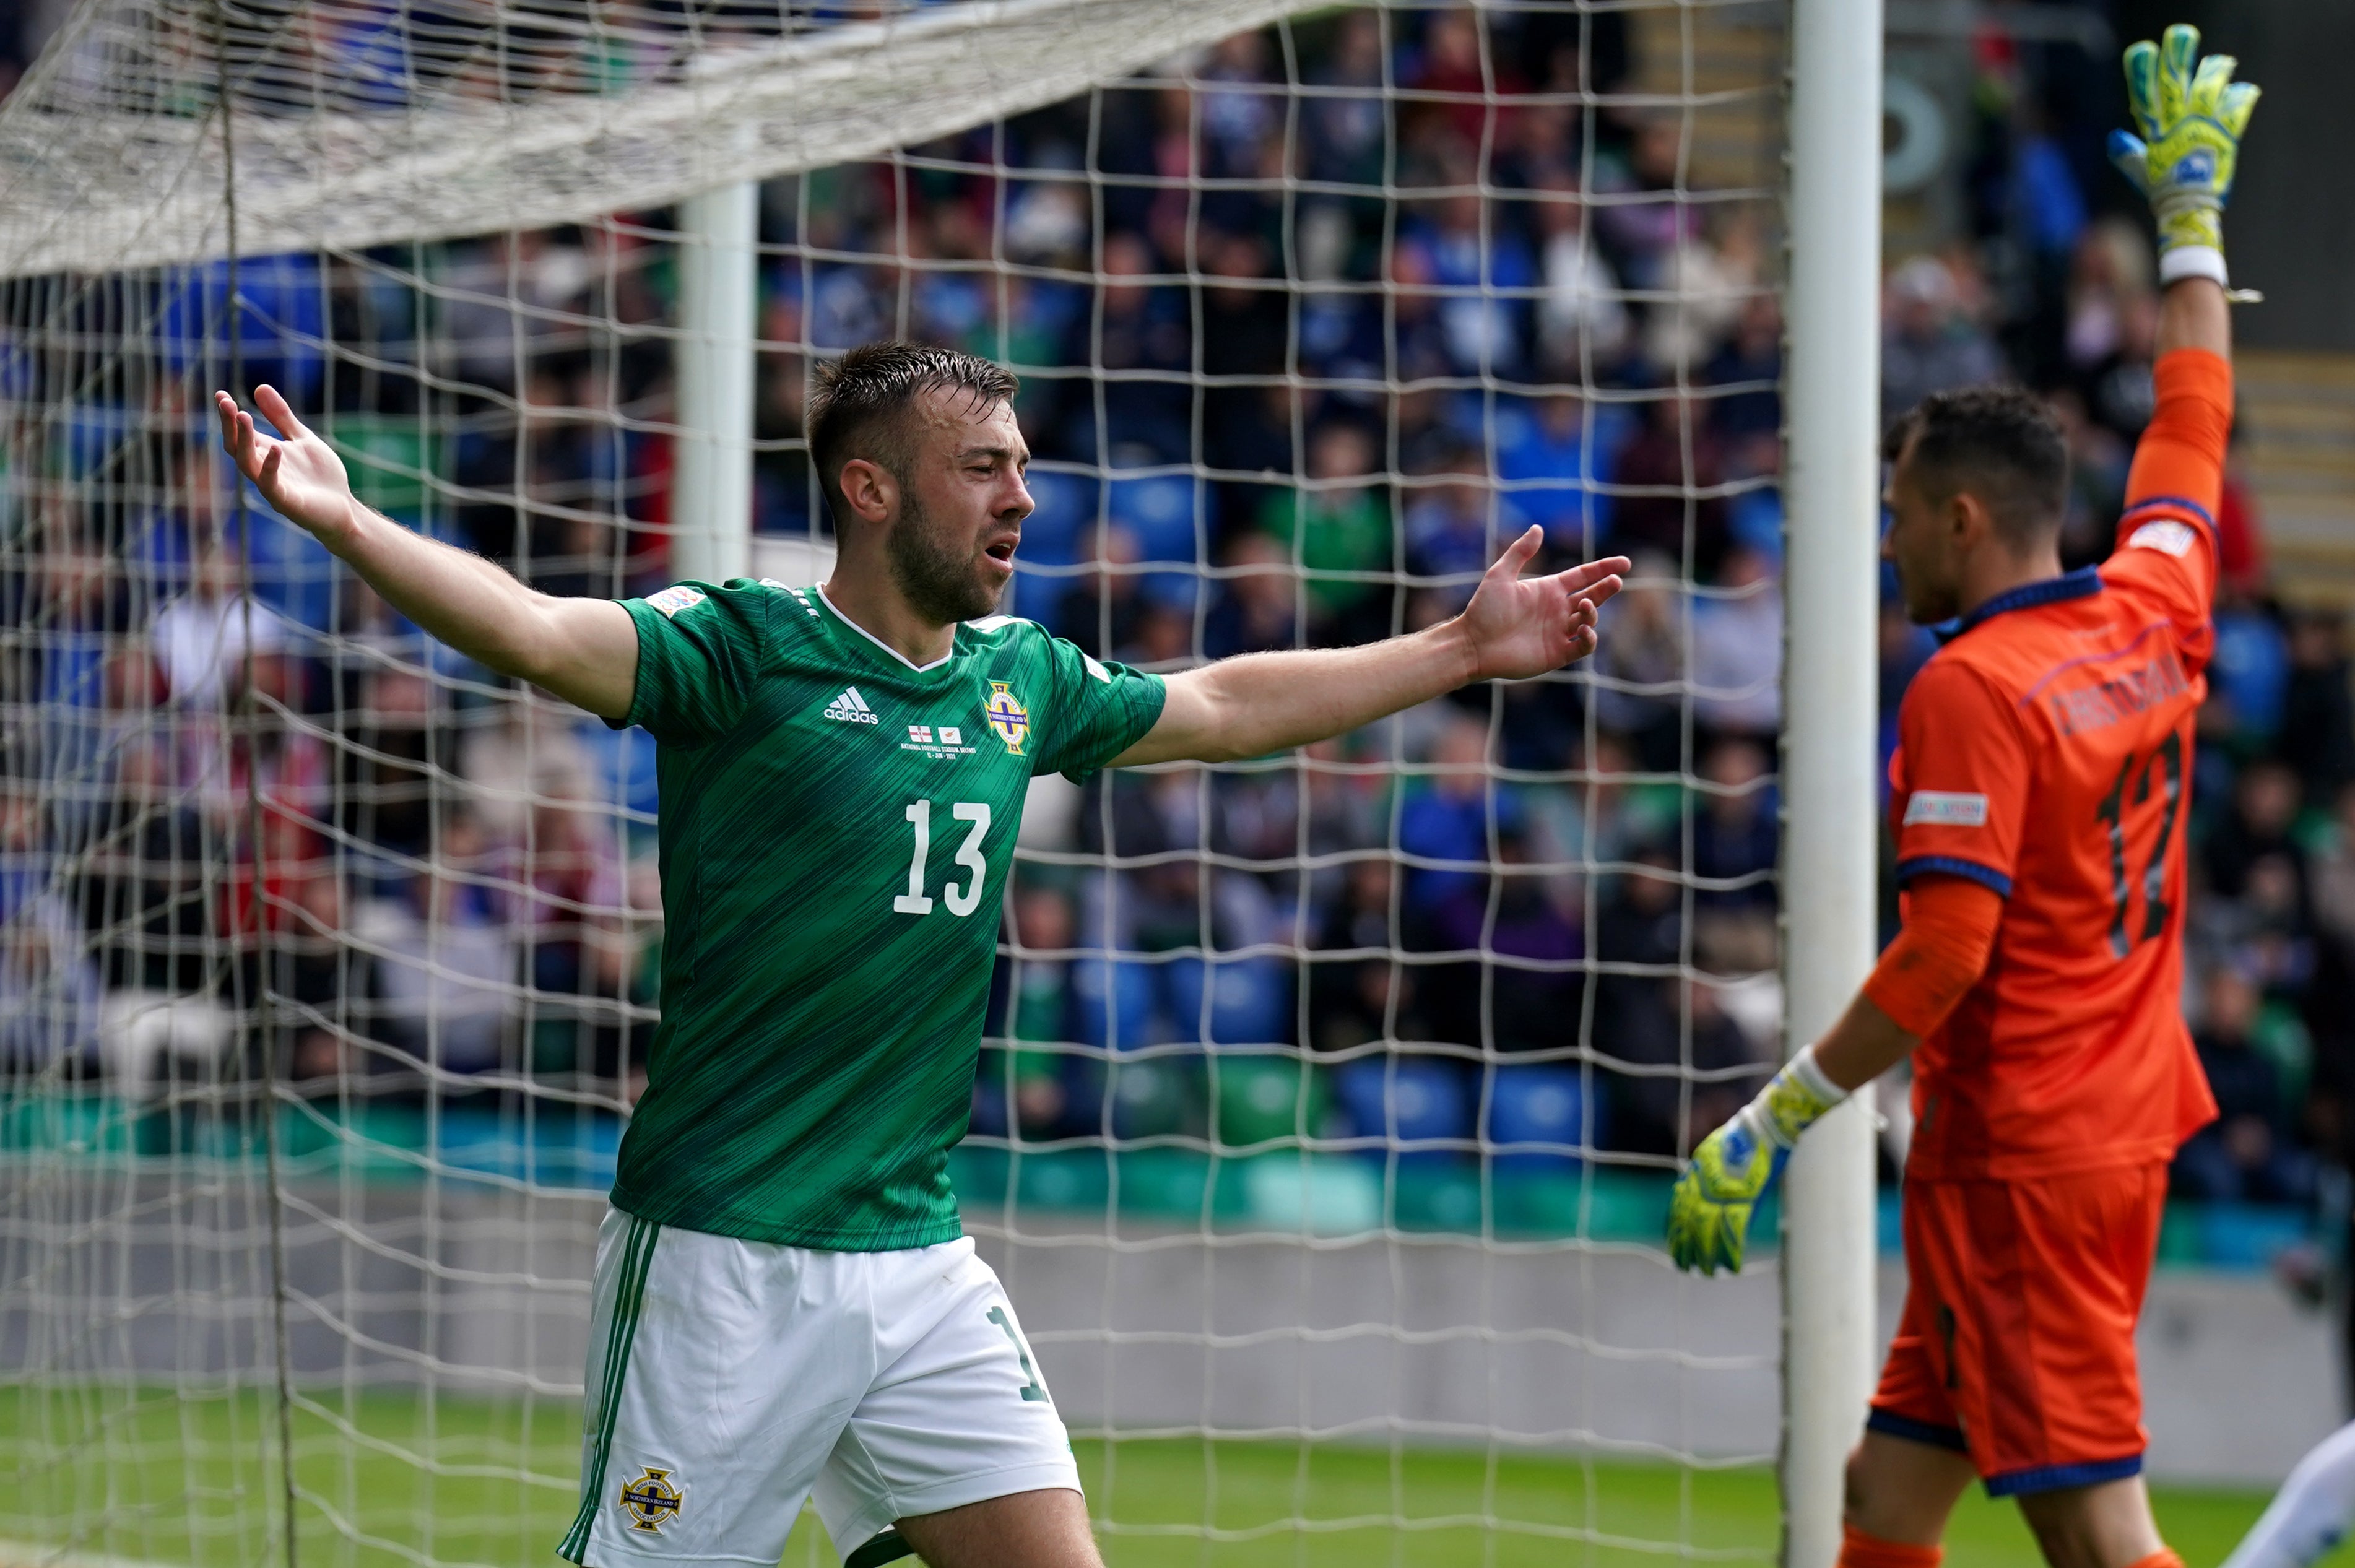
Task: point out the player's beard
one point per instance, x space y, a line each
940 583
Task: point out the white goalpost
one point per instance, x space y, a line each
1833 390
1327 1102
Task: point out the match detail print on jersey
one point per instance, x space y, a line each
836 829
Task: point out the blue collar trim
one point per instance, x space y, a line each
2082 583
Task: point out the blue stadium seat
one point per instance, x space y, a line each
1410 1102
1251 1000
1056 532
281 326
1161 510
1149 1097
1054 536
1542 1104
1111 1002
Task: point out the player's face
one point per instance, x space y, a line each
1920 543
952 547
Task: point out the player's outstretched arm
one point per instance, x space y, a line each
1514 628
584 650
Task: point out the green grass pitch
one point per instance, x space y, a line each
388 1479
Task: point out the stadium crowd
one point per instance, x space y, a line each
1294 368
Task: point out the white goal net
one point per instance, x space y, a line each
1328 1100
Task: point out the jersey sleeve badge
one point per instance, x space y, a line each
1009 721
2167 534
1947 809
674 599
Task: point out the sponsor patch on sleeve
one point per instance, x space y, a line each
676 597
2167 534
1946 808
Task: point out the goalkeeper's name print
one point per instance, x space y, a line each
2106 702
1947 809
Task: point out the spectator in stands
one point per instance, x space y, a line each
1737 648
1641 231
201 639
1486 273
1448 821
1342 128
1145 333
1456 65
1337 528
1929 343
399 741
1523 993
1581 319
145 880
1349 812
1455 525
2317 728
2246 1154
1639 662
1674 1066
49 994
1369 995
1557 470
1752 360
1735 837
1100 607
1246 325
1254 611
327 987
2333 873
2265 807
2097 480
1674 455
1032 1083
522 749
449 970
2248 675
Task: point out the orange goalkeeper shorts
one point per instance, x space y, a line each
2016 1346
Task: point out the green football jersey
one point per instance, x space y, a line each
837 826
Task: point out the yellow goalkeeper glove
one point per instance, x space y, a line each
2190 148
1708 1213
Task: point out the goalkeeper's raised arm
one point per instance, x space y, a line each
584 650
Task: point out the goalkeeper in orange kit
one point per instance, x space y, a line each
2040 803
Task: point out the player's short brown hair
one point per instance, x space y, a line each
2000 444
861 406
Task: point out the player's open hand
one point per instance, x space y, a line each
297 472
1522 627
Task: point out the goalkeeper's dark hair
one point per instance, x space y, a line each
2000 444
863 402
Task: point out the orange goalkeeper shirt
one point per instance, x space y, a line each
2045 750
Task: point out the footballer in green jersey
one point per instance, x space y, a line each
836 825
783 1307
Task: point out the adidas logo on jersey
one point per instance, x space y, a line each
851 707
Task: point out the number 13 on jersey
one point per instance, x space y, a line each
961 901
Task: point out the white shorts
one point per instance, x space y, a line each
729 1380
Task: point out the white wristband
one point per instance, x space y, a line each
1791 1101
2193 262
1803 1068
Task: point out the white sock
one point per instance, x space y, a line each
2309 1515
